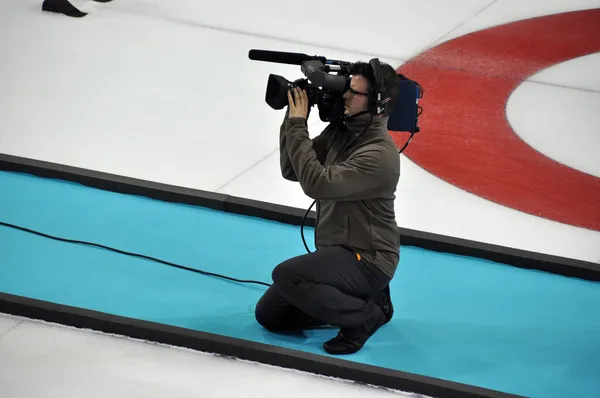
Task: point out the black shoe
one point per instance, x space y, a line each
62 7
350 341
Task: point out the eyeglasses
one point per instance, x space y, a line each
354 92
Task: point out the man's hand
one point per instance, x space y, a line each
300 107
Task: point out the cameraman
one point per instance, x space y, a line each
351 169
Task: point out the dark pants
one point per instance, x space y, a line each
327 287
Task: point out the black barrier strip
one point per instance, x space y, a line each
241 349
113 182
289 215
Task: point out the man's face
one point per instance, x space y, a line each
356 98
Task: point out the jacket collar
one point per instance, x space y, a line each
356 124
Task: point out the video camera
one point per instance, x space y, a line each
326 90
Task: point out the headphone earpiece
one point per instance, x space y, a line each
377 104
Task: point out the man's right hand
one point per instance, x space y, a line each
298 103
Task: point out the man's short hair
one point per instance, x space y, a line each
391 81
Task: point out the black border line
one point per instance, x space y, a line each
242 349
290 215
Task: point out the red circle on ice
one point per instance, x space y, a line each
465 137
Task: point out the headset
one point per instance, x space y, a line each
403 109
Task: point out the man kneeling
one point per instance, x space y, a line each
351 169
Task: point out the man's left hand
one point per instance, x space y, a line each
300 107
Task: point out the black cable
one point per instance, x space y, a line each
302 225
166 262
407 142
130 254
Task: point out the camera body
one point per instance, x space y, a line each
327 80
323 89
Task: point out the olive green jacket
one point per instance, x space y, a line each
352 171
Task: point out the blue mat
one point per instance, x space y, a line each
457 318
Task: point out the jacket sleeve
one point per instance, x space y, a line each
358 178
319 145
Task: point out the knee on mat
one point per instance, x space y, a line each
261 317
265 313
261 314
265 318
